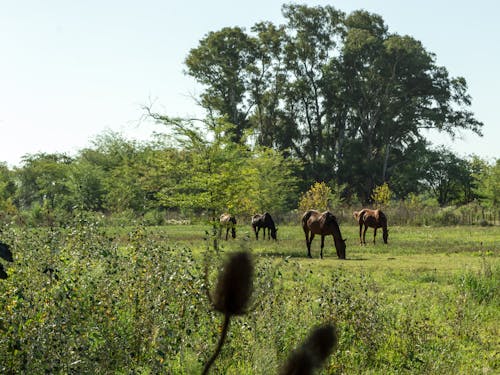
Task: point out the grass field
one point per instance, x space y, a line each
133 300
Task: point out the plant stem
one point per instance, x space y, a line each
219 345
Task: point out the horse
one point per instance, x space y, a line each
264 221
3 274
324 224
5 252
374 219
228 222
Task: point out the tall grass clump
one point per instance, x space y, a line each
482 285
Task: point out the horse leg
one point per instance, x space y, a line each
374 234
227 232
307 243
256 232
322 245
364 234
311 237
360 238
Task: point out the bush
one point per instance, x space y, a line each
318 197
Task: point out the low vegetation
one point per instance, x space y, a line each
93 299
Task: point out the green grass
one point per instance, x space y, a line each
133 300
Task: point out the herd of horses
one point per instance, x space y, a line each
315 223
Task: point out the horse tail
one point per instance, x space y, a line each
305 218
359 216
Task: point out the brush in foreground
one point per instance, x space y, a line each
313 352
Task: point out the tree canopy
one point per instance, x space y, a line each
334 90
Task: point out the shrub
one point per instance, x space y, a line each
318 197
381 195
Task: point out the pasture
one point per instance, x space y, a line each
94 299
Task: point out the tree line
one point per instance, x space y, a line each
188 174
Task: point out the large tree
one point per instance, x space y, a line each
222 62
337 92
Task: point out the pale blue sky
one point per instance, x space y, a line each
71 69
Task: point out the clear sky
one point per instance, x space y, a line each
71 69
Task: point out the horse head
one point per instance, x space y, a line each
340 246
273 233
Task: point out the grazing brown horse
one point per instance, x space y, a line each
264 221
228 222
373 219
324 224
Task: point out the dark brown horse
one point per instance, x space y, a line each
6 254
228 222
264 221
324 224
374 219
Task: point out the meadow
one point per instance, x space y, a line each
88 298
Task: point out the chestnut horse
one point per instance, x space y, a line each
264 221
373 219
228 222
324 224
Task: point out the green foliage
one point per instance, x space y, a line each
449 176
43 178
318 197
381 195
339 92
489 184
272 181
213 174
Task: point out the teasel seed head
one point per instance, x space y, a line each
235 284
313 352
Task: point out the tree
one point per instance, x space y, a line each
213 174
211 177
117 163
395 91
7 190
446 175
43 179
488 187
272 181
221 63
336 92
